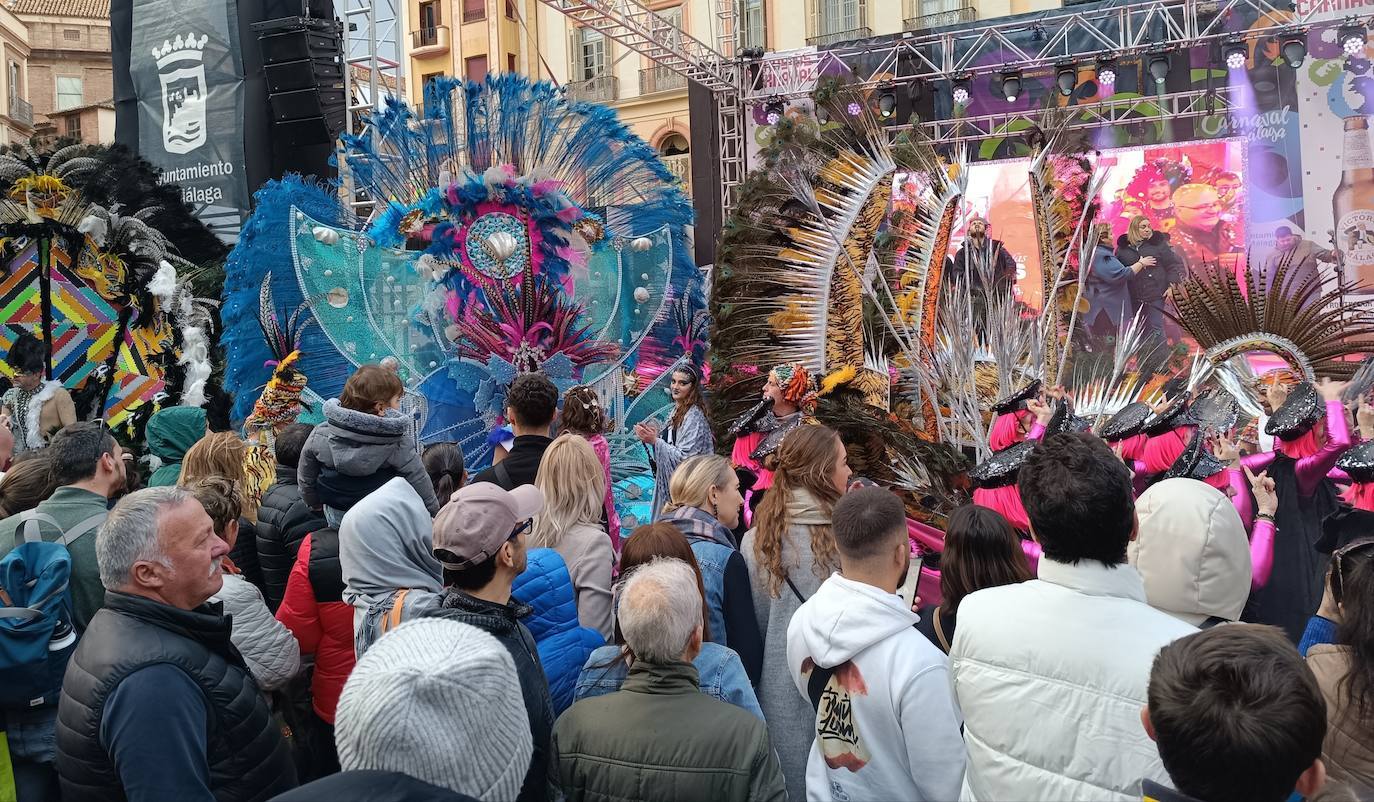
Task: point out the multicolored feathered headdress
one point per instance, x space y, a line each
1175 173
280 401
796 383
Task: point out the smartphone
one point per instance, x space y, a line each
913 577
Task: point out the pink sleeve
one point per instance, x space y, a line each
1338 475
1033 552
1036 431
1137 466
1240 496
1261 553
603 453
1312 470
1258 462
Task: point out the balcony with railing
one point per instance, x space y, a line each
601 89
429 41
922 15
474 10
825 39
660 79
21 111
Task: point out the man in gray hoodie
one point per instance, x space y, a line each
886 725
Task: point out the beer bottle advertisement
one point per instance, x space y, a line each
1353 202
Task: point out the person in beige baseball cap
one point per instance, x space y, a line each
479 539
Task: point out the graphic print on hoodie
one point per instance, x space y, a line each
831 692
885 722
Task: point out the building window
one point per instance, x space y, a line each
71 34
431 14
14 82
753 31
676 154
510 62
476 68
474 10
425 81
73 126
832 17
69 92
589 54
510 9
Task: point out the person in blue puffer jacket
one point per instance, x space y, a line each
563 645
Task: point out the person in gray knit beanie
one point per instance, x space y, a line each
439 701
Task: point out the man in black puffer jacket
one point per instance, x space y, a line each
284 519
157 703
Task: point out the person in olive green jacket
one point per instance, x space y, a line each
88 466
171 433
659 737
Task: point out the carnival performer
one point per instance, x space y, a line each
1354 517
1308 445
994 483
788 396
33 409
688 433
979 254
1108 285
1156 265
584 416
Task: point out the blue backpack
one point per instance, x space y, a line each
37 634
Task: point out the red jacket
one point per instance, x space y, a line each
324 628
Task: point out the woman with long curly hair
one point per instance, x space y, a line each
790 552
1345 669
222 455
687 434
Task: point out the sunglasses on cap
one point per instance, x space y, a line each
1338 568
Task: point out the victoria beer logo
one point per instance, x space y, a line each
181 68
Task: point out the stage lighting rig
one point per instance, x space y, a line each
1011 85
887 101
1106 72
1235 54
1293 48
1352 38
959 92
773 110
1158 65
1066 76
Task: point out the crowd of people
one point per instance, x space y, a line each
376 624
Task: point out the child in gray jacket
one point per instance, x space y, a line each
364 439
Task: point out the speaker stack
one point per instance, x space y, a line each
302 60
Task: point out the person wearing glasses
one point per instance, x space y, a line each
33 409
1207 241
480 539
1344 666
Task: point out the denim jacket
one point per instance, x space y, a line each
721 673
712 547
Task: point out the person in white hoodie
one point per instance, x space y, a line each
1050 675
886 725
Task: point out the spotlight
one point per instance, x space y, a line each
960 93
773 111
1106 73
1066 75
1011 85
1351 38
887 102
1235 55
1294 50
822 114
854 108
1159 67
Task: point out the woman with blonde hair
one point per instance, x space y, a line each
571 479
790 552
705 505
221 455
1155 267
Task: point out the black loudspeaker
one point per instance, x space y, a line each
303 64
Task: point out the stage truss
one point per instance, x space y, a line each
941 58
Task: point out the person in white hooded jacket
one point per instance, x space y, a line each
1050 675
1192 552
886 725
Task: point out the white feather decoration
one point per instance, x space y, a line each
195 357
95 227
163 284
